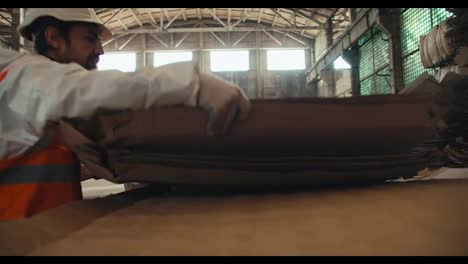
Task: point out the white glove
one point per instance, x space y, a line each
225 102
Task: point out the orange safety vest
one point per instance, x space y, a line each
38 181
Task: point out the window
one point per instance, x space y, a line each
340 64
281 59
229 60
164 58
125 62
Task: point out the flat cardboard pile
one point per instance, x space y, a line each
306 141
413 218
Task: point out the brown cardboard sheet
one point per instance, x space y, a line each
413 218
23 235
283 142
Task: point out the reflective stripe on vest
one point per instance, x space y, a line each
3 74
45 178
38 181
38 174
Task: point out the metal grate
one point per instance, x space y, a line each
381 55
365 60
364 38
439 15
373 56
366 86
382 81
412 68
414 23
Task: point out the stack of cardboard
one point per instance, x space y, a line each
306 141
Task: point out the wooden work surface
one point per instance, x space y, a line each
412 218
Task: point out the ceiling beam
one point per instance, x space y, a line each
161 22
285 19
128 41
5 18
182 39
199 13
113 15
160 41
317 13
241 19
333 13
229 16
120 21
274 20
184 16
216 37
210 29
294 38
150 16
271 36
309 17
260 16
174 18
216 18
135 16
166 13
241 38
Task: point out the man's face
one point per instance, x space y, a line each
83 46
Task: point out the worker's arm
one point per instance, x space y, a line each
41 90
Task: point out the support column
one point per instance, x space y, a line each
259 65
328 76
389 21
353 14
140 60
141 55
15 21
351 56
149 59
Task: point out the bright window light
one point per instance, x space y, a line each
164 58
125 62
279 59
229 60
340 64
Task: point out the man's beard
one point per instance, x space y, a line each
91 62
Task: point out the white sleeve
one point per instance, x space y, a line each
43 90
36 90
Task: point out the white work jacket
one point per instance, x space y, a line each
36 90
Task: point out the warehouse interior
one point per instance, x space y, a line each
283 54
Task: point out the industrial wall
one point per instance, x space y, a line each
258 81
382 46
374 69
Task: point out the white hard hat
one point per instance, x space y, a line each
63 14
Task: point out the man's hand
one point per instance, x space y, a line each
223 101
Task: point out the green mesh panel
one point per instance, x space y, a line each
382 82
439 15
381 55
412 68
365 60
415 22
364 38
373 55
366 86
